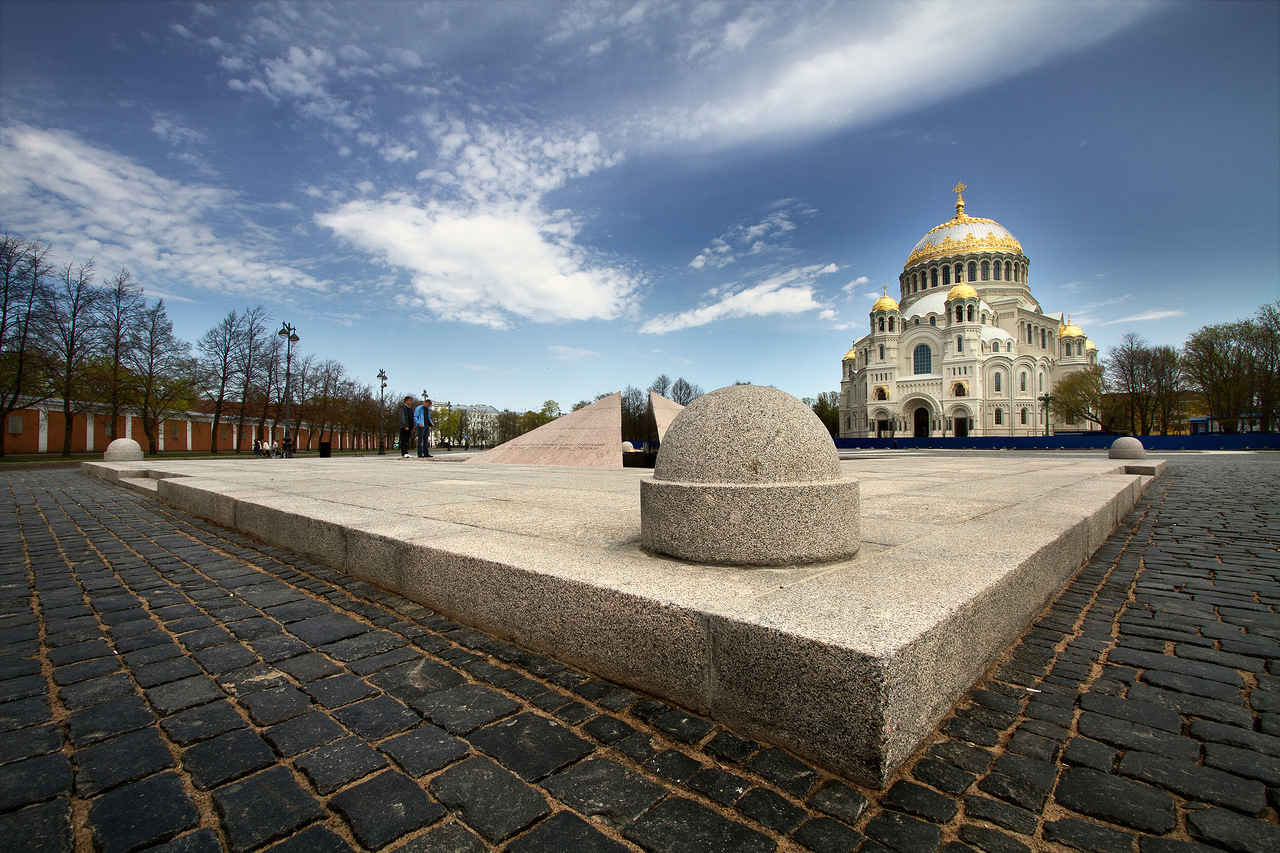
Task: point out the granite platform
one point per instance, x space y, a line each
850 664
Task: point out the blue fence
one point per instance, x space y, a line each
1086 441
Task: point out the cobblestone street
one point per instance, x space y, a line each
167 682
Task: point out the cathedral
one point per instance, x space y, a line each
965 350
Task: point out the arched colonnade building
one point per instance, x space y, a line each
965 349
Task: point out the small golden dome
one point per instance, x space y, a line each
851 355
885 303
1090 346
961 291
1071 330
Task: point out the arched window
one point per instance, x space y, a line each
1041 381
1008 270
958 390
933 277
970 312
922 359
996 380
1024 416
882 352
995 271
881 394
881 327
986 270
959 273
1022 386
998 420
959 313
1044 338
984 318
973 270
933 320
915 282
891 324
959 344
1030 332
946 275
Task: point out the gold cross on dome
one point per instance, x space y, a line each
958 189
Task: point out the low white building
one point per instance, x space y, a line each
965 349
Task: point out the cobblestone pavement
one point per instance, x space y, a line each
164 681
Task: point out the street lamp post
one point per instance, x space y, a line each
1046 398
382 413
290 335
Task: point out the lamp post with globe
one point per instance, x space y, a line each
382 412
290 335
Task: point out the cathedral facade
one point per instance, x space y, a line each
965 350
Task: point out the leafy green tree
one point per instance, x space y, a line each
1082 396
1218 363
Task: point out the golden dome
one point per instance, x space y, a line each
885 303
1090 346
850 356
1071 330
963 234
961 291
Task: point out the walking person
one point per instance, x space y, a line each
406 425
422 419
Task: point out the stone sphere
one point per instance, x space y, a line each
123 450
628 447
1126 447
748 476
747 434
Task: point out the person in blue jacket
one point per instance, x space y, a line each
422 420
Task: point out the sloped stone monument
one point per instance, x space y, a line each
749 476
664 412
590 438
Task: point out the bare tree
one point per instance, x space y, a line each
251 352
271 379
661 385
635 405
217 365
71 313
684 392
23 374
118 314
1128 371
162 370
1164 370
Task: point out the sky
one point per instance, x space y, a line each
513 202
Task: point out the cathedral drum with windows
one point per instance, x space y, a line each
965 349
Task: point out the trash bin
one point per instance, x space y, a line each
326 449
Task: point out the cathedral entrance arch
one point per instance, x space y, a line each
921 423
961 426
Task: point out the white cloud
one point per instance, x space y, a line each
485 265
860 281
92 203
1144 317
564 353
752 239
404 57
779 71
398 153
204 10
174 133
480 247
789 292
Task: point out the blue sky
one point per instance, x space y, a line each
508 202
